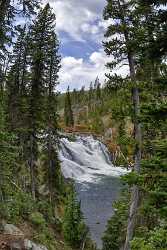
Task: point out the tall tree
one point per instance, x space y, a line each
122 46
73 227
53 171
68 113
8 10
17 80
42 34
90 96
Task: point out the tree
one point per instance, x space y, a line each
43 41
8 10
68 113
135 30
17 80
98 92
53 172
73 226
114 236
122 46
90 96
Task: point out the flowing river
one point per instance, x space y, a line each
88 162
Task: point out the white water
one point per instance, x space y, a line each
87 160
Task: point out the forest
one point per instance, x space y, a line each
39 207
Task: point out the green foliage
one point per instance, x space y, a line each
18 206
73 226
68 113
153 240
37 219
114 235
46 238
46 210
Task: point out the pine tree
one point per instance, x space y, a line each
73 227
17 80
68 113
8 11
98 92
42 36
53 171
75 97
136 29
90 96
124 48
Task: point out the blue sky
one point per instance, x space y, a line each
81 29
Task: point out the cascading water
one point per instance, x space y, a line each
88 162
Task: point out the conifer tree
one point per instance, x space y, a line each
42 36
90 96
98 92
73 227
122 46
17 80
8 11
68 113
75 97
134 26
53 171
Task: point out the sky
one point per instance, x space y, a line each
80 28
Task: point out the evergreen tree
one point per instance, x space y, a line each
90 96
124 48
82 94
17 81
137 29
68 113
75 97
8 10
43 39
53 172
98 92
73 227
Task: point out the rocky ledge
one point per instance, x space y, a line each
13 238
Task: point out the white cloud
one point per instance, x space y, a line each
82 21
78 18
78 72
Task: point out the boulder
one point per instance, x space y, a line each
12 230
29 245
14 238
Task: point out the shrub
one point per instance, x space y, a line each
37 219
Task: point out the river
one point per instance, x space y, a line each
88 162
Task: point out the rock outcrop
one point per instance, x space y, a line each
13 238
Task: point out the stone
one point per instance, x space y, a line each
18 241
29 245
13 230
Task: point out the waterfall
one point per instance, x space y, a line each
86 160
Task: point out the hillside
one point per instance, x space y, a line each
105 113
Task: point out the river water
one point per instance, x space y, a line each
88 162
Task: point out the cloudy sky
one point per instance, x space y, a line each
81 28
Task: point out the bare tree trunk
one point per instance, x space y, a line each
82 246
138 138
137 129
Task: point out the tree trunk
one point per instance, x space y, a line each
137 129
137 134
